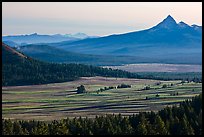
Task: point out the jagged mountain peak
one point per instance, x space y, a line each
167 23
170 18
183 24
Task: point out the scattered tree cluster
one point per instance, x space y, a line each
111 87
164 86
124 86
81 89
183 120
147 88
104 89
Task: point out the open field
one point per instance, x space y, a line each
59 100
156 67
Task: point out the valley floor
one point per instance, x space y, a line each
60 100
156 67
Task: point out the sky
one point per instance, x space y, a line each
93 18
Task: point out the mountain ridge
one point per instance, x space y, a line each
166 42
167 37
36 38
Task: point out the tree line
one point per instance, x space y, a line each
184 76
183 120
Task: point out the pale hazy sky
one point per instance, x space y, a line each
99 18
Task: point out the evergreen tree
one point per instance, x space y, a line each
58 129
7 127
17 130
185 128
126 127
159 126
141 129
142 126
175 126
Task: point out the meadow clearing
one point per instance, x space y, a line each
60 100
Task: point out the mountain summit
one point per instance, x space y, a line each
167 40
167 23
169 18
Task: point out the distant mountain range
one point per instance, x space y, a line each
34 38
166 42
166 36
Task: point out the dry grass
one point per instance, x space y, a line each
59 100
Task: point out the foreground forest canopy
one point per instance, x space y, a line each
18 69
183 120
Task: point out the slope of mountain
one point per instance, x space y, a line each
53 54
11 43
19 69
12 51
36 38
166 41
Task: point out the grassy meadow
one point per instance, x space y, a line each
60 100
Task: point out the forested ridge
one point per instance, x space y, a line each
185 119
17 70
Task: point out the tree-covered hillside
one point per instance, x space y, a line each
18 69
